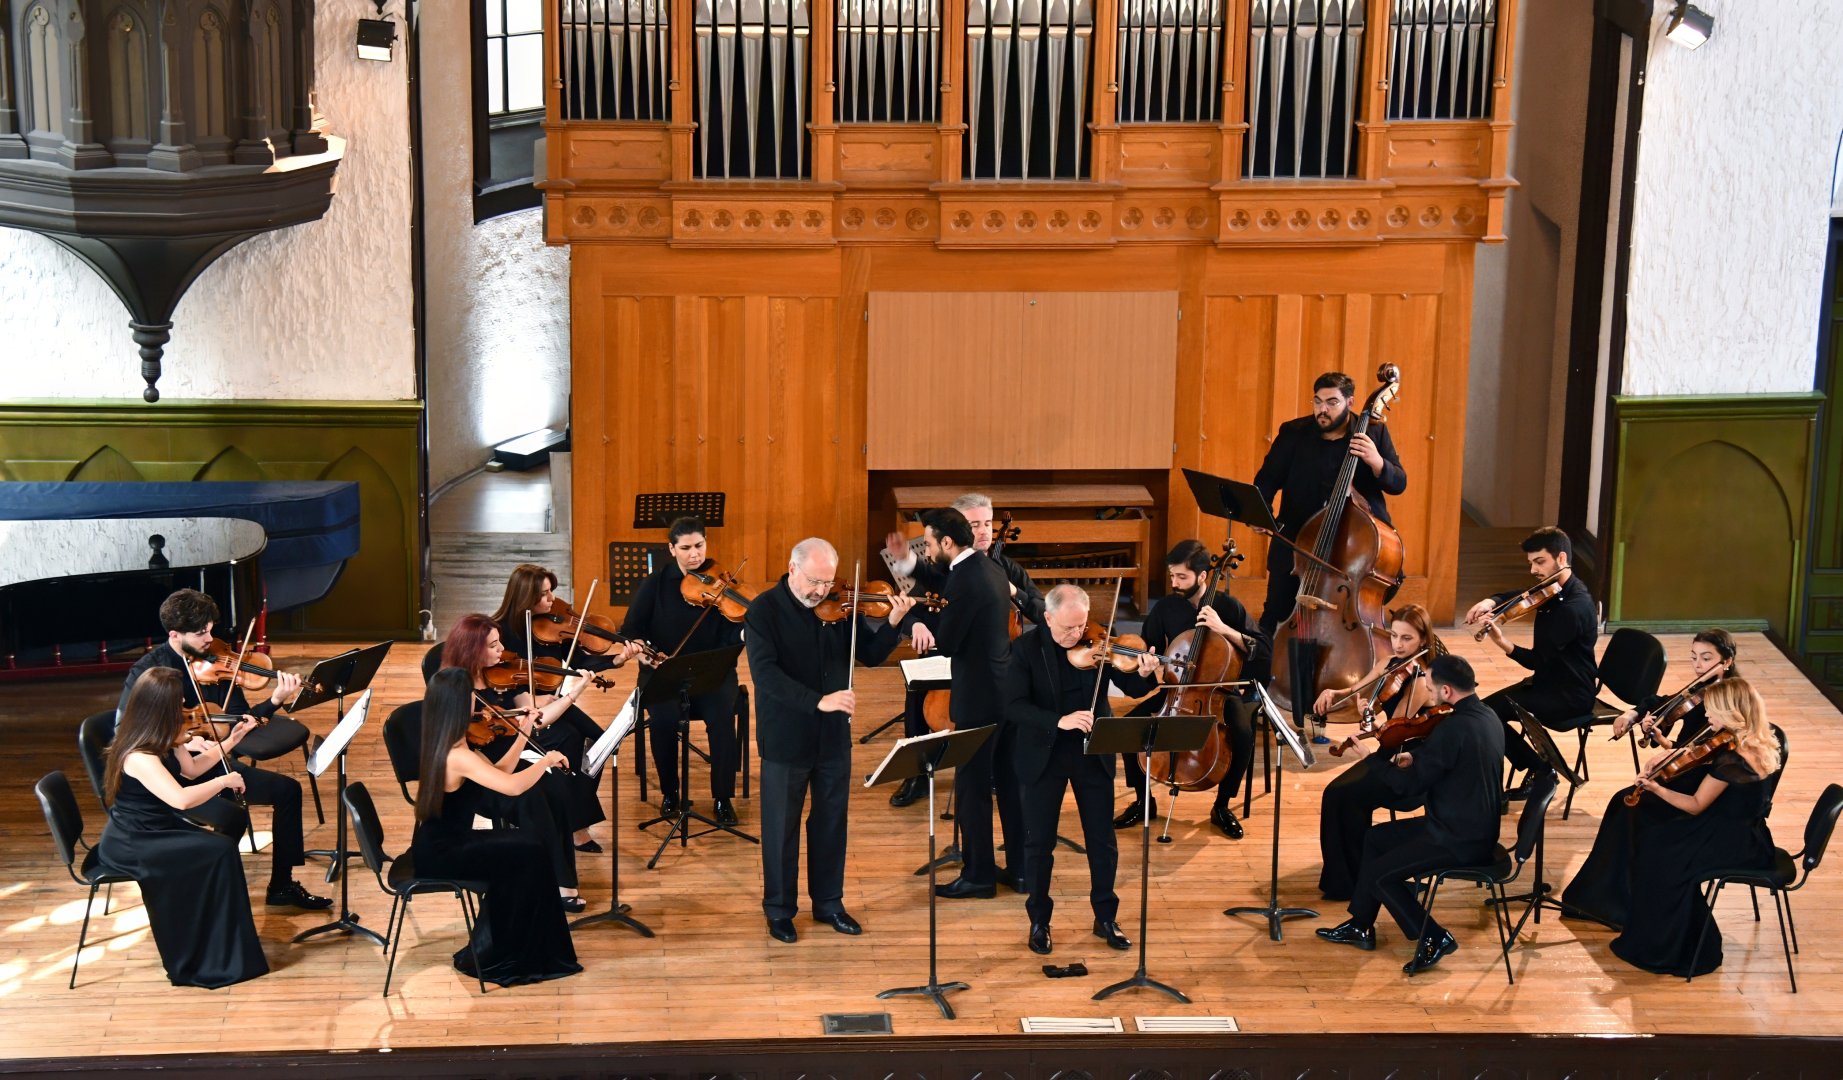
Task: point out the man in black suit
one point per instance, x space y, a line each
1052 705
1301 467
975 635
1457 770
801 666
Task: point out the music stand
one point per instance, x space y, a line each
923 756
604 751
332 751
1538 896
1146 735
1273 912
332 679
682 678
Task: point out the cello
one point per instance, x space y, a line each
1199 655
1352 565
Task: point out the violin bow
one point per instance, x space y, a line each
1100 669
582 621
199 692
851 668
531 662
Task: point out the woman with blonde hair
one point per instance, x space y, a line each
1719 823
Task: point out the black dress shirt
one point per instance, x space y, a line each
1171 615
659 614
796 658
1043 687
1459 771
1561 658
227 694
1301 468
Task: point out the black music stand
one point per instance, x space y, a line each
332 679
924 756
1538 896
658 509
1146 735
1273 912
606 752
683 678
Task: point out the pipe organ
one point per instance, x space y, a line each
739 180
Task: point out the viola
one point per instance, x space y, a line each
1522 604
250 673
873 599
1352 566
1684 758
594 634
1202 656
716 588
514 673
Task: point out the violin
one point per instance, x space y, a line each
514 672
1201 656
200 717
1410 729
1124 651
250 672
1677 706
594 634
1684 758
490 723
872 598
716 588
1522 604
1391 682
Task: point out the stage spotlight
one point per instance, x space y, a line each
1690 26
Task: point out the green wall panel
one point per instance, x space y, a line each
371 442
1710 509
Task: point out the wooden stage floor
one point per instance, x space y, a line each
713 973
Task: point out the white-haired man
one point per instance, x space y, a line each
800 666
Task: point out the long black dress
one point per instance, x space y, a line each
554 809
198 903
1667 909
1349 805
521 935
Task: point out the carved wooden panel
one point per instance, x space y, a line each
1432 148
616 152
1169 154
887 153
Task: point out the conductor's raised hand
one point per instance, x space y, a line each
897 545
840 701
1081 720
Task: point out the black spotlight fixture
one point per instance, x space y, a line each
1690 26
376 36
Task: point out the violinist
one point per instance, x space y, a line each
1053 705
1601 889
188 617
923 622
1186 566
660 614
801 668
1456 772
1352 799
559 803
521 935
1560 689
1302 467
1711 658
191 879
1718 824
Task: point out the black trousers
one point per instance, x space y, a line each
1395 853
914 721
972 786
1282 593
784 789
1349 805
282 793
1238 715
570 735
1093 784
718 711
1557 713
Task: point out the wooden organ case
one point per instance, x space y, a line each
1093 235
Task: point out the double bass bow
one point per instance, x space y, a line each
1352 565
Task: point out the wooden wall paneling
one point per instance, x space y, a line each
684 128
1373 115
1234 124
1104 126
1445 437
592 440
823 80
953 61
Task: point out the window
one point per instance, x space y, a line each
508 103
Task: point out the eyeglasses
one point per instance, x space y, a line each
816 583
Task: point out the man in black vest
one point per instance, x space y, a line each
1052 705
1457 769
800 667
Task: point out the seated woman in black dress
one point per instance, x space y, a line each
1601 888
562 802
1351 800
198 904
1720 824
521 935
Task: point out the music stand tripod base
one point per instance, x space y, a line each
1272 911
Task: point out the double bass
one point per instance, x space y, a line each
1349 563
1199 655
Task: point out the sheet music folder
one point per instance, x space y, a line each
937 750
1127 734
335 744
927 673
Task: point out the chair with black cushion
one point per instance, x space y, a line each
281 735
93 738
65 821
1632 668
398 877
1505 867
403 742
432 661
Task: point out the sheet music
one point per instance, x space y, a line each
901 745
618 728
928 669
335 744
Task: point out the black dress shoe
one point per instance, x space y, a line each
1134 814
1349 933
726 814
669 806
1039 938
590 846
295 895
575 905
1009 879
840 921
1224 818
908 792
783 930
1528 784
1429 952
1109 931
961 889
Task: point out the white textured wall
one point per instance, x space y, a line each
317 311
498 298
1730 217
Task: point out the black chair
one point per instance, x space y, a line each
403 742
743 713
93 738
432 661
1632 668
65 821
1505 867
400 880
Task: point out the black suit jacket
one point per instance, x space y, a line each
795 659
1042 687
1028 601
1459 770
975 634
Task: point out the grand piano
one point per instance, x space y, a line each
84 566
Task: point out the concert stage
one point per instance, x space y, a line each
713 995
